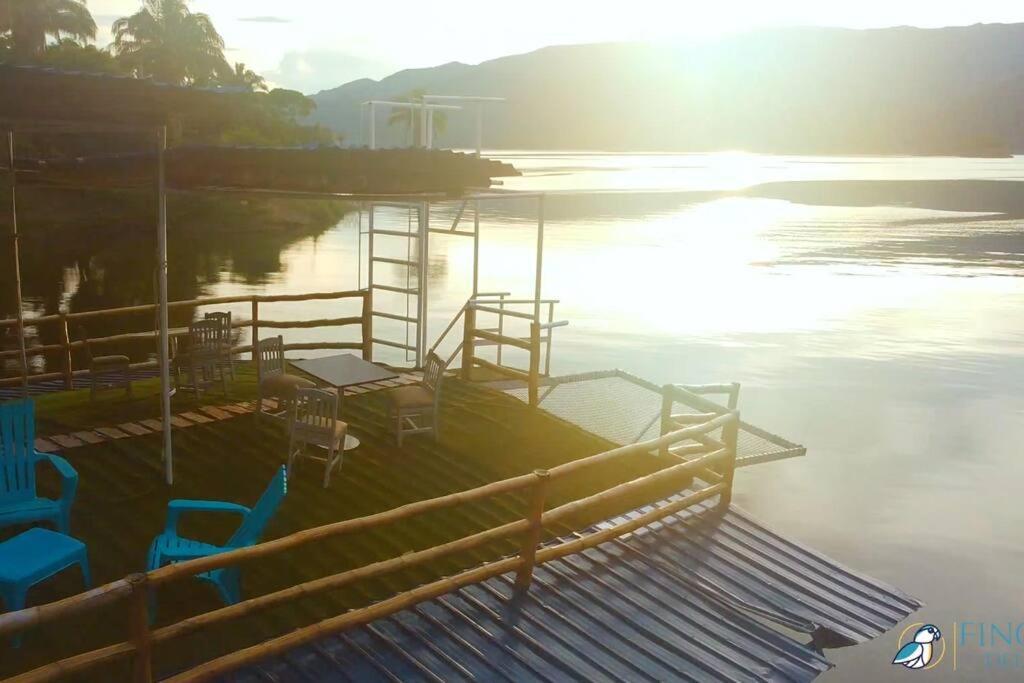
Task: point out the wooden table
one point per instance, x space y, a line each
343 371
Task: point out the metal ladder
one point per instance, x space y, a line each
414 239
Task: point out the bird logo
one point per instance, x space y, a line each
918 653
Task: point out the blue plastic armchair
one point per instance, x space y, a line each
169 547
19 503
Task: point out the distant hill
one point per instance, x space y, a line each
807 90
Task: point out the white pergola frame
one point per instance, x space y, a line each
426 108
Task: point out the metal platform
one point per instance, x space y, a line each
700 597
624 409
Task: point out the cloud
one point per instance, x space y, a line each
311 71
266 20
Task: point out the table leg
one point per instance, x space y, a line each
351 442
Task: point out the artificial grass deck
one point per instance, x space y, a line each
121 505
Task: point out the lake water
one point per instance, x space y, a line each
887 339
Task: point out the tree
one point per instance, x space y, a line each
247 78
70 54
410 117
165 40
31 22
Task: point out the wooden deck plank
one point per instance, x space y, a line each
66 441
135 429
154 425
178 421
112 432
235 409
46 446
89 437
195 417
215 413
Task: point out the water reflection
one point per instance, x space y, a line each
882 332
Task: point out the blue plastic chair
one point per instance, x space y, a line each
169 547
19 503
34 556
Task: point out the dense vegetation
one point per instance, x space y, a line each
168 42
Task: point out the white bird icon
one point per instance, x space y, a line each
917 654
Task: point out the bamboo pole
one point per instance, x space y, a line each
230 662
95 598
514 373
16 255
19 620
207 301
502 339
528 551
217 667
367 323
65 340
255 322
305 324
142 666
339 580
169 573
67 667
468 345
534 387
666 413
560 513
730 436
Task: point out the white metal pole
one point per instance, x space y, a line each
540 259
165 365
479 127
373 127
16 253
369 247
424 267
423 124
430 129
476 247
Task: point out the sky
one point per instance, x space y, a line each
311 45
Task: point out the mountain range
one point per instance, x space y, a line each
901 90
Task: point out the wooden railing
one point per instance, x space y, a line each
65 346
714 467
540 335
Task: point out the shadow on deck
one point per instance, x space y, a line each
121 505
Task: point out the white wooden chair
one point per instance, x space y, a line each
273 380
314 422
200 363
227 358
414 407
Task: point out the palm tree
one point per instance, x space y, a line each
247 78
30 22
167 41
410 117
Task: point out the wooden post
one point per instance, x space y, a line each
730 437
256 334
368 325
528 552
65 341
734 395
534 382
142 667
468 343
666 416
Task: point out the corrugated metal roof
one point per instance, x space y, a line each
698 597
